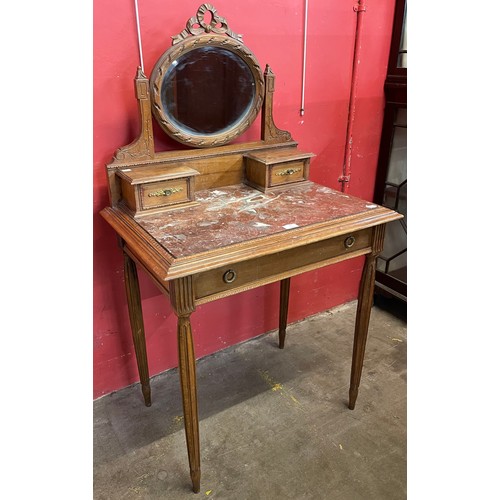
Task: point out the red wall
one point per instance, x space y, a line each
273 30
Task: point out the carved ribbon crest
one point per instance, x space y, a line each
197 25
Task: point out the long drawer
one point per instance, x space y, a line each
244 274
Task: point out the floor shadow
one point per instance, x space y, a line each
122 423
392 305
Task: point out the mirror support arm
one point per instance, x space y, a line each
143 147
269 132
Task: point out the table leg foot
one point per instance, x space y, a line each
146 392
196 479
353 394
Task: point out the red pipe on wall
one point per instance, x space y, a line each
360 9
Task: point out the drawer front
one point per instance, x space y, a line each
283 173
163 193
251 271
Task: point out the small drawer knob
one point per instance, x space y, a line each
349 241
229 276
288 171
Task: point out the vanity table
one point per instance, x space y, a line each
221 217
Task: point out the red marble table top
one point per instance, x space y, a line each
234 214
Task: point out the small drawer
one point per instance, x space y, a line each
276 169
152 189
161 194
284 173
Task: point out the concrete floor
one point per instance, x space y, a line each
274 424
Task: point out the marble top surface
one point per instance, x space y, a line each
234 214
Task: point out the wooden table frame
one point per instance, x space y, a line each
140 248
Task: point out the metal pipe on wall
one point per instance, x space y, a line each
302 102
139 34
359 9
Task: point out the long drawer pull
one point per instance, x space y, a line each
165 192
288 171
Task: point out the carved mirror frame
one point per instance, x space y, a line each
199 34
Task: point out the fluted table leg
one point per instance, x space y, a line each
365 301
182 298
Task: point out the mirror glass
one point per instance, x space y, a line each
207 90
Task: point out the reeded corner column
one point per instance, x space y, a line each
365 302
182 299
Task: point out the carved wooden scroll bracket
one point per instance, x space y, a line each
269 132
143 147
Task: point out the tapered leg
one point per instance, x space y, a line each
137 325
284 296
365 300
187 370
182 299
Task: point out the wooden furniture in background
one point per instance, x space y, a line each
232 237
392 180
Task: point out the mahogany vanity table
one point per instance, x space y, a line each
219 218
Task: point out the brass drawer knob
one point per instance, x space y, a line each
165 192
349 241
288 171
229 276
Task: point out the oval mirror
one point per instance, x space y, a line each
206 90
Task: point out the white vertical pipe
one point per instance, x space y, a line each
139 33
306 8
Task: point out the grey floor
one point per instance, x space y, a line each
274 423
